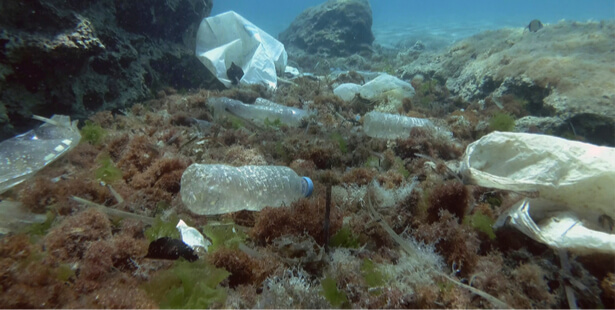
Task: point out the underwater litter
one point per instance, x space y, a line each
375 191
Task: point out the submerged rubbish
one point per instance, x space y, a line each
574 181
383 85
229 44
219 189
391 126
192 237
24 155
262 112
390 222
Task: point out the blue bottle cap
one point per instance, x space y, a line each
310 186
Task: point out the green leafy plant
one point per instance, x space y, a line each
236 122
402 168
188 286
332 294
494 201
502 122
276 124
480 222
92 133
372 161
224 236
107 172
162 229
373 276
340 141
428 87
40 229
344 238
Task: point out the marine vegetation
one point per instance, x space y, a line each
402 228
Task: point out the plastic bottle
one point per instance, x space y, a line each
391 126
217 189
259 111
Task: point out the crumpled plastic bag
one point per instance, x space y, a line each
383 85
575 183
229 38
24 155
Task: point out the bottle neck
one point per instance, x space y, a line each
307 186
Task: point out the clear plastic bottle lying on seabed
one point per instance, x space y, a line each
261 110
218 189
391 126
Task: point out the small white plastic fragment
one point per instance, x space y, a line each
192 237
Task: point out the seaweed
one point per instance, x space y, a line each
345 238
40 229
332 294
227 236
373 277
107 172
162 229
92 133
340 141
502 122
188 286
275 124
480 222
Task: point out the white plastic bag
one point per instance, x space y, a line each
383 85
575 182
229 38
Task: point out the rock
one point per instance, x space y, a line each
79 57
564 71
335 28
164 19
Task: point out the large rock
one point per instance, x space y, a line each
78 57
564 74
334 28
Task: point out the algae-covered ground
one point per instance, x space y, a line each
403 231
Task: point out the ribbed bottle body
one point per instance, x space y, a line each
391 126
217 189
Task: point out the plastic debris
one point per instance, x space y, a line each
13 216
392 126
260 112
387 85
229 38
574 181
383 85
219 189
347 91
291 72
192 237
24 155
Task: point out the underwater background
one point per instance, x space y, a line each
156 154
452 20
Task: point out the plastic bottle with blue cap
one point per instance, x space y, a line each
218 189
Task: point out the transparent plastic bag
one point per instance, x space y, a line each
23 155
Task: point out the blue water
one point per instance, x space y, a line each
450 19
